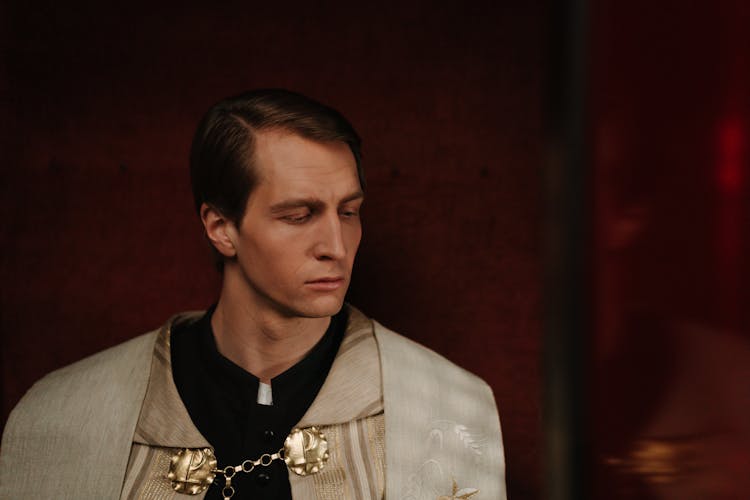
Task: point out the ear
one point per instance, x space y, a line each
220 231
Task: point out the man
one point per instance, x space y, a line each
279 390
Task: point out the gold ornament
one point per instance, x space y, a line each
306 450
459 494
192 471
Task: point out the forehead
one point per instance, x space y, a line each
287 163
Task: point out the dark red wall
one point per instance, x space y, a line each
99 239
670 146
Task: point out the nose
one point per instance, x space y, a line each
330 245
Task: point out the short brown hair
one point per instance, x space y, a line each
221 157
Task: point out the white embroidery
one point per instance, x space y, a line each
435 439
433 478
471 439
424 482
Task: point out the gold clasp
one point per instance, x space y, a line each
305 450
192 471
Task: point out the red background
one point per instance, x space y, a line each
99 239
669 367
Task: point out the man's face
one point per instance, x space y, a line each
301 229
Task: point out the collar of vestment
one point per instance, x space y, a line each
164 421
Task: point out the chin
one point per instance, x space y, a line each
320 307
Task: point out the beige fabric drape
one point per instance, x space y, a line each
442 425
71 435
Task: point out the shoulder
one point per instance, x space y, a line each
413 357
64 419
412 372
79 419
110 371
114 370
439 417
103 383
104 366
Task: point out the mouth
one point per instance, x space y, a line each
326 284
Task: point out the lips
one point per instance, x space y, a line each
326 284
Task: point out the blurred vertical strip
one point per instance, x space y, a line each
669 363
567 244
732 157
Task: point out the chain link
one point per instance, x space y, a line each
247 466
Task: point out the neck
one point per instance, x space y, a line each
258 337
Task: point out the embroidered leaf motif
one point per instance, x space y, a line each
469 441
461 494
436 436
422 483
466 492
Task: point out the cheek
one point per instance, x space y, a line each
273 253
283 253
353 235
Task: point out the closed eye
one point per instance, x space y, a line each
297 217
351 209
349 213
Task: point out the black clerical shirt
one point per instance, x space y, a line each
221 399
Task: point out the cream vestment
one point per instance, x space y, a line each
402 423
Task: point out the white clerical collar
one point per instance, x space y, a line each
265 397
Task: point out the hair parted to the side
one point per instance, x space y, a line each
222 169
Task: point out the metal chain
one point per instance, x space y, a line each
247 466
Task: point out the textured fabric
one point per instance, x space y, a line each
70 435
442 427
355 468
434 424
164 420
348 407
221 399
353 388
152 464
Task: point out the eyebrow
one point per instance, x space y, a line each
314 203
